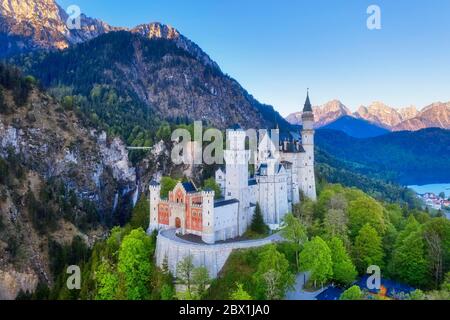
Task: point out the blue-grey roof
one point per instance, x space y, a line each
308 106
189 187
279 167
222 203
154 183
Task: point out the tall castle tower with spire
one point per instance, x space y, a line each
307 176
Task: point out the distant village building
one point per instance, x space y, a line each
434 202
282 172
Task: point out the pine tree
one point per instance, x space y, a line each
3 105
258 224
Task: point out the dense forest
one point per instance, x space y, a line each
336 239
404 157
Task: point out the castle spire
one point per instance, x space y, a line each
308 106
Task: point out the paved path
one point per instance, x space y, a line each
171 234
298 293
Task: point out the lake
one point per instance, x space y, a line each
434 188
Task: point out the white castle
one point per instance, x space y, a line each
282 173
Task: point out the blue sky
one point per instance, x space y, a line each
278 48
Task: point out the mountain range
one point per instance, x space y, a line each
411 119
152 64
419 157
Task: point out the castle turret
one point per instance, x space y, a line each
208 218
308 180
155 198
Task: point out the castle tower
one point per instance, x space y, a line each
155 198
307 176
236 182
208 218
237 159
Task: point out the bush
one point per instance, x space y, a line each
353 293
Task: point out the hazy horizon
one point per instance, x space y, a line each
277 49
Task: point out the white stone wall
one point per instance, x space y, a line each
213 257
226 222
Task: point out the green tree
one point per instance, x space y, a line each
316 259
352 293
335 224
239 293
211 184
185 270
417 295
3 106
408 262
167 292
140 216
437 237
200 278
365 210
344 272
368 249
108 282
258 225
273 277
167 184
294 232
164 132
134 264
305 212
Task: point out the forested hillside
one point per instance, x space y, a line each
148 80
58 180
420 157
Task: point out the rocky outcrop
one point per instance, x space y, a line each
323 115
55 146
436 115
380 114
157 30
12 282
27 25
52 144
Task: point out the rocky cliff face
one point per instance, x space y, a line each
169 81
157 30
27 25
48 143
324 114
436 115
380 114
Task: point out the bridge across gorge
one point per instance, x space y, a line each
212 256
